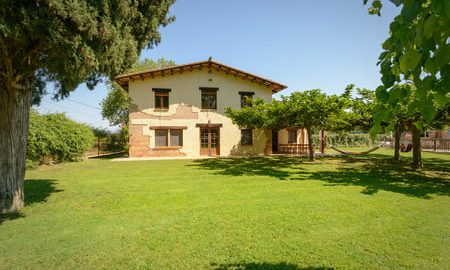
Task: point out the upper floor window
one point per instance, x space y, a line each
161 98
247 136
209 98
246 98
292 136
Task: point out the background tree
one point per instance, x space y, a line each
67 43
407 116
311 109
115 104
361 107
315 110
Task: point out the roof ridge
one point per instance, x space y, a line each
124 78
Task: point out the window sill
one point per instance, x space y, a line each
208 110
161 110
167 148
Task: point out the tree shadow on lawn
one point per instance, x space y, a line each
36 191
383 174
264 266
277 167
372 172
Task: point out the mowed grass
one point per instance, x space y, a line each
362 212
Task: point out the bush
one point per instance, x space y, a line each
56 138
349 139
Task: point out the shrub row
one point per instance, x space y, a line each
54 138
349 139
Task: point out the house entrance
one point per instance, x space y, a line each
209 141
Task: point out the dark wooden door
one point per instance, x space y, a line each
274 141
209 141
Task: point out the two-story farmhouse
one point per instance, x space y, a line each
179 111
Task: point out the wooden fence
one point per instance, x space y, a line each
293 149
435 144
428 144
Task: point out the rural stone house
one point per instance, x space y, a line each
179 111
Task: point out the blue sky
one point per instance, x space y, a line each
304 44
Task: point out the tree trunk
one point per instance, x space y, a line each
397 136
417 148
14 120
312 151
323 141
268 147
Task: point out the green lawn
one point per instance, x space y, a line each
256 213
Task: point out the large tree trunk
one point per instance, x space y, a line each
417 148
14 120
397 136
312 150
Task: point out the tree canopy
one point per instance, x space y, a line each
311 110
416 51
65 43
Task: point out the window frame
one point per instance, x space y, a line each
180 139
243 96
159 96
209 92
295 137
169 140
244 137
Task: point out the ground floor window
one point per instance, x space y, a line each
292 136
162 137
247 136
176 137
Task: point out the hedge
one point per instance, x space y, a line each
349 139
54 138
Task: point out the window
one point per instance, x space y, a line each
209 98
162 137
176 137
161 98
245 98
292 136
247 136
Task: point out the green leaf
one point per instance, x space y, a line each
410 8
443 56
431 66
409 60
395 69
377 4
396 2
428 109
429 26
381 93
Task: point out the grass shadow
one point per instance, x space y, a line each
382 174
36 191
10 216
265 266
240 166
372 172
110 156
